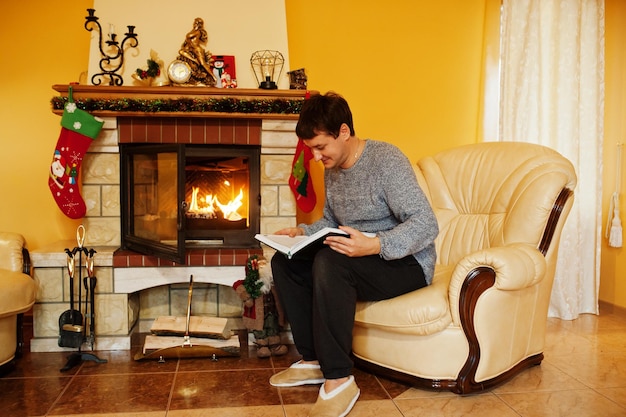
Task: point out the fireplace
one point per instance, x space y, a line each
176 197
135 288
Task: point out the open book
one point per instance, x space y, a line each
290 246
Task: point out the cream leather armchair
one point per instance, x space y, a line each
501 208
18 295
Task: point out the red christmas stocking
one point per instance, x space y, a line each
300 179
78 130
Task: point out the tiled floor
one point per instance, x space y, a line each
583 374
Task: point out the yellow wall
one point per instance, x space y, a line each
613 266
411 71
43 43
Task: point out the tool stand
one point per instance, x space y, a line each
74 333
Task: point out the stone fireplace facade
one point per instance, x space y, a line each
133 289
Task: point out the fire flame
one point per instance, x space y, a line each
206 206
230 209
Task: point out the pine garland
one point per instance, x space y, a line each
219 105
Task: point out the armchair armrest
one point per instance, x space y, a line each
514 267
11 251
499 270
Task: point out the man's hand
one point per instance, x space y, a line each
354 246
291 231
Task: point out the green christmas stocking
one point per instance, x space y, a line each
78 130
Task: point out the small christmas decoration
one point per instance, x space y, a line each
262 312
152 71
297 79
153 74
224 71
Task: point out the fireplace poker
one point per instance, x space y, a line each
80 240
90 286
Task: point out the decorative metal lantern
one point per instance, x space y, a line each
267 66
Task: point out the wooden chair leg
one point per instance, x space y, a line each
19 349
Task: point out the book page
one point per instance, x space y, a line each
285 241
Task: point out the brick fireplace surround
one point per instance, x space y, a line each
133 289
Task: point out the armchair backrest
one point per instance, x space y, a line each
492 194
11 256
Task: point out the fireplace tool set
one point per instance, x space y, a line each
73 323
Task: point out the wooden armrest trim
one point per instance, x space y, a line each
26 263
553 220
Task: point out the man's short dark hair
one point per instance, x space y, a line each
324 114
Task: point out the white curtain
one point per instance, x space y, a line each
552 93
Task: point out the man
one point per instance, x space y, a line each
370 187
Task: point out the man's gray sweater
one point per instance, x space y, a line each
380 194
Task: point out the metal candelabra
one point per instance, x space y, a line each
110 64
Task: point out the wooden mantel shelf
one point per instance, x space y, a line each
99 97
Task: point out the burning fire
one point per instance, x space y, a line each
207 206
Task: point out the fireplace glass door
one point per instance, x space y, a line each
150 200
177 197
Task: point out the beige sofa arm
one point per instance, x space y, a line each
516 266
11 251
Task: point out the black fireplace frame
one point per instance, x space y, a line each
188 238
